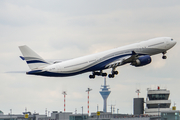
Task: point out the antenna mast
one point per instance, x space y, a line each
64 93
88 90
138 91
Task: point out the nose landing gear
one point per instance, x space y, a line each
91 76
164 56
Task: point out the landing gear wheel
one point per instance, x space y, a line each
115 72
91 76
97 73
104 74
111 75
164 57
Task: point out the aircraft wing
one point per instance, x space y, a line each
123 60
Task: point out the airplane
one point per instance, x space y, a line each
138 54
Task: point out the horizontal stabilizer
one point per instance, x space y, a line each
22 57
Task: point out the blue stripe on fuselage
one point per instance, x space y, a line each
99 66
53 74
102 65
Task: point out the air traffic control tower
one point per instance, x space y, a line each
105 93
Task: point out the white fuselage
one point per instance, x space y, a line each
99 60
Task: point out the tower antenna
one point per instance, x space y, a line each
88 90
138 91
64 93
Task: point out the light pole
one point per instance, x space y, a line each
10 112
46 113
75 111
97 107
82 112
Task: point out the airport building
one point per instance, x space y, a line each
157 108
24 117
157 101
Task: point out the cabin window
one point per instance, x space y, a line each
155 44
76 65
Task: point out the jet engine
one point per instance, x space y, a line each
141 61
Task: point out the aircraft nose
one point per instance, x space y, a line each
174 42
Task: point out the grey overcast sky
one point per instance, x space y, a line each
68 29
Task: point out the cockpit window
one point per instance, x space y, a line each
171 39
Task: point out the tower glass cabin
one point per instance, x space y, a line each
157 101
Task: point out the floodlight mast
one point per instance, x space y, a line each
64 93
88 90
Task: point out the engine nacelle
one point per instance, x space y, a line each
141 61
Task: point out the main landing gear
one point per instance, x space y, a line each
113 73
164 56
98 74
